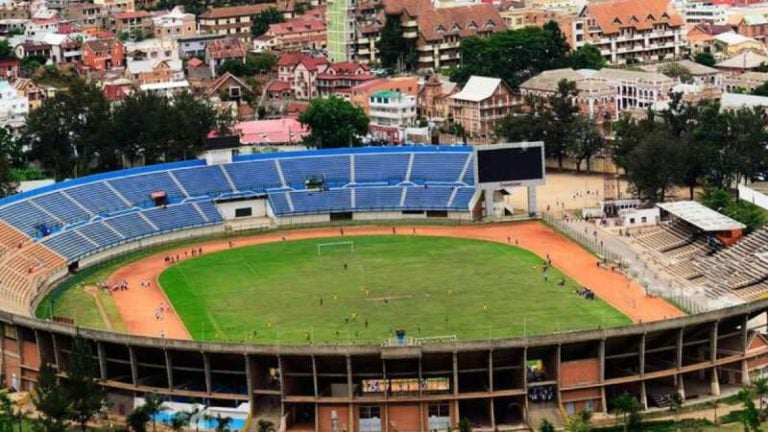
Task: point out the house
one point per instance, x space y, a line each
700 74
434 97
154 71
64 48
733 43
232 21
174 24
220 50
34 94
339 78
116 6
635 89
88 15
435 32
114 93
305 32
390 113
103 54
480 105
33 49
753 25
596 99
197 70
285 131
741 62
195 45
152 49
628 31
13 107
701 36
9 69
300 71
134 24
228 87
360 94
279 90
745 82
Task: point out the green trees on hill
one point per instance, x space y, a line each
334 122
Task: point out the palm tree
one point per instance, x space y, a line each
179 421
623 406
580 422
153 404
265 426
222 423
760 387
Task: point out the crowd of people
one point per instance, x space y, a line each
110 287
173 259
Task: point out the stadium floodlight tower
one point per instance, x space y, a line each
499 168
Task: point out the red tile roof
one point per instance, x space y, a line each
195 62
132 15
294 59
435 24
113 92
236 11
279 86
612 16
227 48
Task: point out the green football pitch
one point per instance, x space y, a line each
295 292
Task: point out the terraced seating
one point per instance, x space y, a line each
334 169
198 181
377 168
137 189
257 175
738 269
438 167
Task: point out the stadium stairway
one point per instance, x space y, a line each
544 411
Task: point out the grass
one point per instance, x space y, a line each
429 286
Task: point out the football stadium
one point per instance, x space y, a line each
371 290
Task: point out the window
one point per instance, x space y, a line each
369 412
234 92
439 410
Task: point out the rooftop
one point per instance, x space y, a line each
743 60
236 11
478 88
700 216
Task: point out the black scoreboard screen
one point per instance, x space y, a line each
510 164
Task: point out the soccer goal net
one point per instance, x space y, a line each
345 247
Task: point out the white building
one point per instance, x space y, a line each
174 24
699 12
390 112
13 108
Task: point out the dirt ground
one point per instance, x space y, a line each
137 305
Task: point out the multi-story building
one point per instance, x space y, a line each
233 21
13 108
152 49
174 24
361 94
88 15
103 54
480 105
305 32
341 37
135 25
154 71
391 112
339 78
116 6
434 32
595 98
744 82
434 97
628 31
753 25
220 50
195 45
300 72
635 89
697 12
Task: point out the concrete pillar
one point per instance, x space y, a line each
207 372
714 384
455 374
641 353
488 202
56 354
745 379
102 359
493 414
557 369
39 349
643 396
314 377
679 359
490 371
349 377
681 386
713 333
249 382
420 378
169 369
3 372
134 365
532 209
745 334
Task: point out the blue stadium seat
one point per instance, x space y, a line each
438 167
174 217
210 211
279 203
25 216
321 202
372 168
462 198
258 175
101 234
131 225
208 180
137 189
334 169
378 198
96 197
62 207
70 244
428 198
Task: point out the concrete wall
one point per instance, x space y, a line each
258 208
748 194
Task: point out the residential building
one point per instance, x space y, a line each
339 78
435 32
197 70
220 50
195 45
305 32
152 49
596 99
166 89
88 15
745 82
628 31
742 62
12 26
229 88
9 69
116 6
34 94
341 39
700 74
174 24
702 36
698 12
390 113
635 89
135 25
360 94
732 43
13 107
31 48
480 105
300 72
753 25
285 131
233 21
434 98
103 54
154 71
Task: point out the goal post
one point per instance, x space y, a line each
336 247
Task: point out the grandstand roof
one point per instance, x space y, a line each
700 216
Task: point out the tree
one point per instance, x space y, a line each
465 425
675 403
6 413
676 70
84 393
654 165
585 143
334 122
705 58
7 183
624 406
559 120
395 52
761 90
760 387
137 420
579 422
50 401
546 426
587 56
153 404
265 426
6 50
222 423
263 19
179 421
749 417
